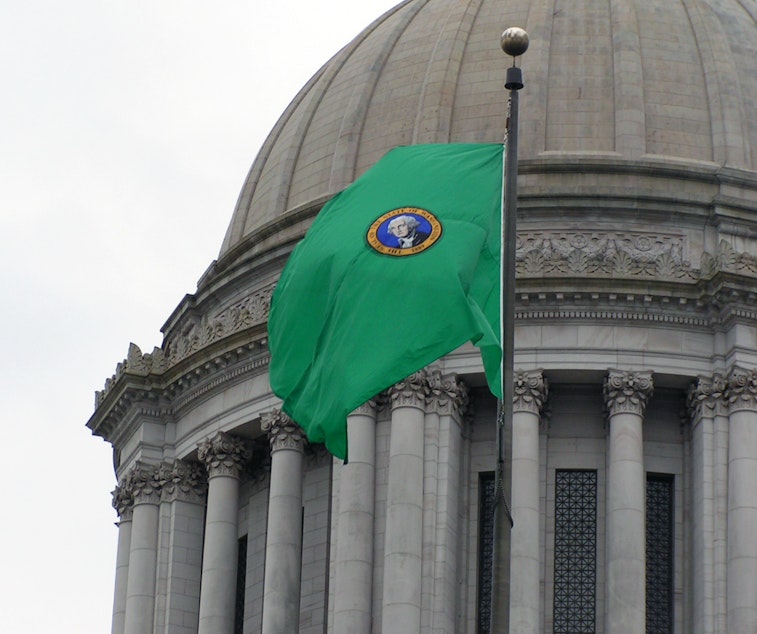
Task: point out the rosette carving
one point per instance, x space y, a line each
447 394
283 432
183 480
223 455
627 392
411 391
530 391
706 397
741 392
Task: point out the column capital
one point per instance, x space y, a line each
411 391
223 455
530 391
368 408
706 397
123 502
447 393
183 480
142 484
627 392
741 389
283 432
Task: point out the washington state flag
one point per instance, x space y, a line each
396 271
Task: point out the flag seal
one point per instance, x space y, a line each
404 231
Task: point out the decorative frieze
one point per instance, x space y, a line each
627 392
183 480
530 391
741 391
706 397
283 432
223 455
411 391
447 394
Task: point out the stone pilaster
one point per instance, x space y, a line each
224 457
446 404
626 396
704 401
123 502
143 485
741 582
401 603
530 392
353 592
184 486
281 592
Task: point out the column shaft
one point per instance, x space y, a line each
626 395
353 591
140 587
403 546
530 392
122 576
283 559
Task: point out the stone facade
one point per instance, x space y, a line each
633 448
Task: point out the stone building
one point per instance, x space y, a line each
635 413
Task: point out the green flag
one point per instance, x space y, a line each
396 271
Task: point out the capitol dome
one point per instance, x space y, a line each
633 451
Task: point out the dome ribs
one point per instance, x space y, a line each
433 122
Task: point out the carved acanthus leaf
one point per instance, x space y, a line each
530 391
627 392
223 455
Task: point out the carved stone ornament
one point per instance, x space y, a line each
741 392
183 480
530 391
142 482
706 397
123 502
368 408
411 391
627 392
283 432
223 455
447 393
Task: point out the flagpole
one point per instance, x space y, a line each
514 42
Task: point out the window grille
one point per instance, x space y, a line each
486 501
575 574
659 554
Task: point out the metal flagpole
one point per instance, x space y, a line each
514 42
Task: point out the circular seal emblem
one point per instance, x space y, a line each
404 231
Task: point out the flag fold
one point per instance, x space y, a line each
396 271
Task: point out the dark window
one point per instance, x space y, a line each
575 599
659 554
485 550
241 581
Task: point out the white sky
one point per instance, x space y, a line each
126 131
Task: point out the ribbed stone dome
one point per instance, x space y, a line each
640 81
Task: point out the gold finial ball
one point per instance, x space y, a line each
514 41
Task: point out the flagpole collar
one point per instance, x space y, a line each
514 41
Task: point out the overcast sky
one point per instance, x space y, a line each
126 131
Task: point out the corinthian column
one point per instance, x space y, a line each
626 395
283 549
403 544
353 592
144 486
224 457
124 505
705 402
530 395
741 584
